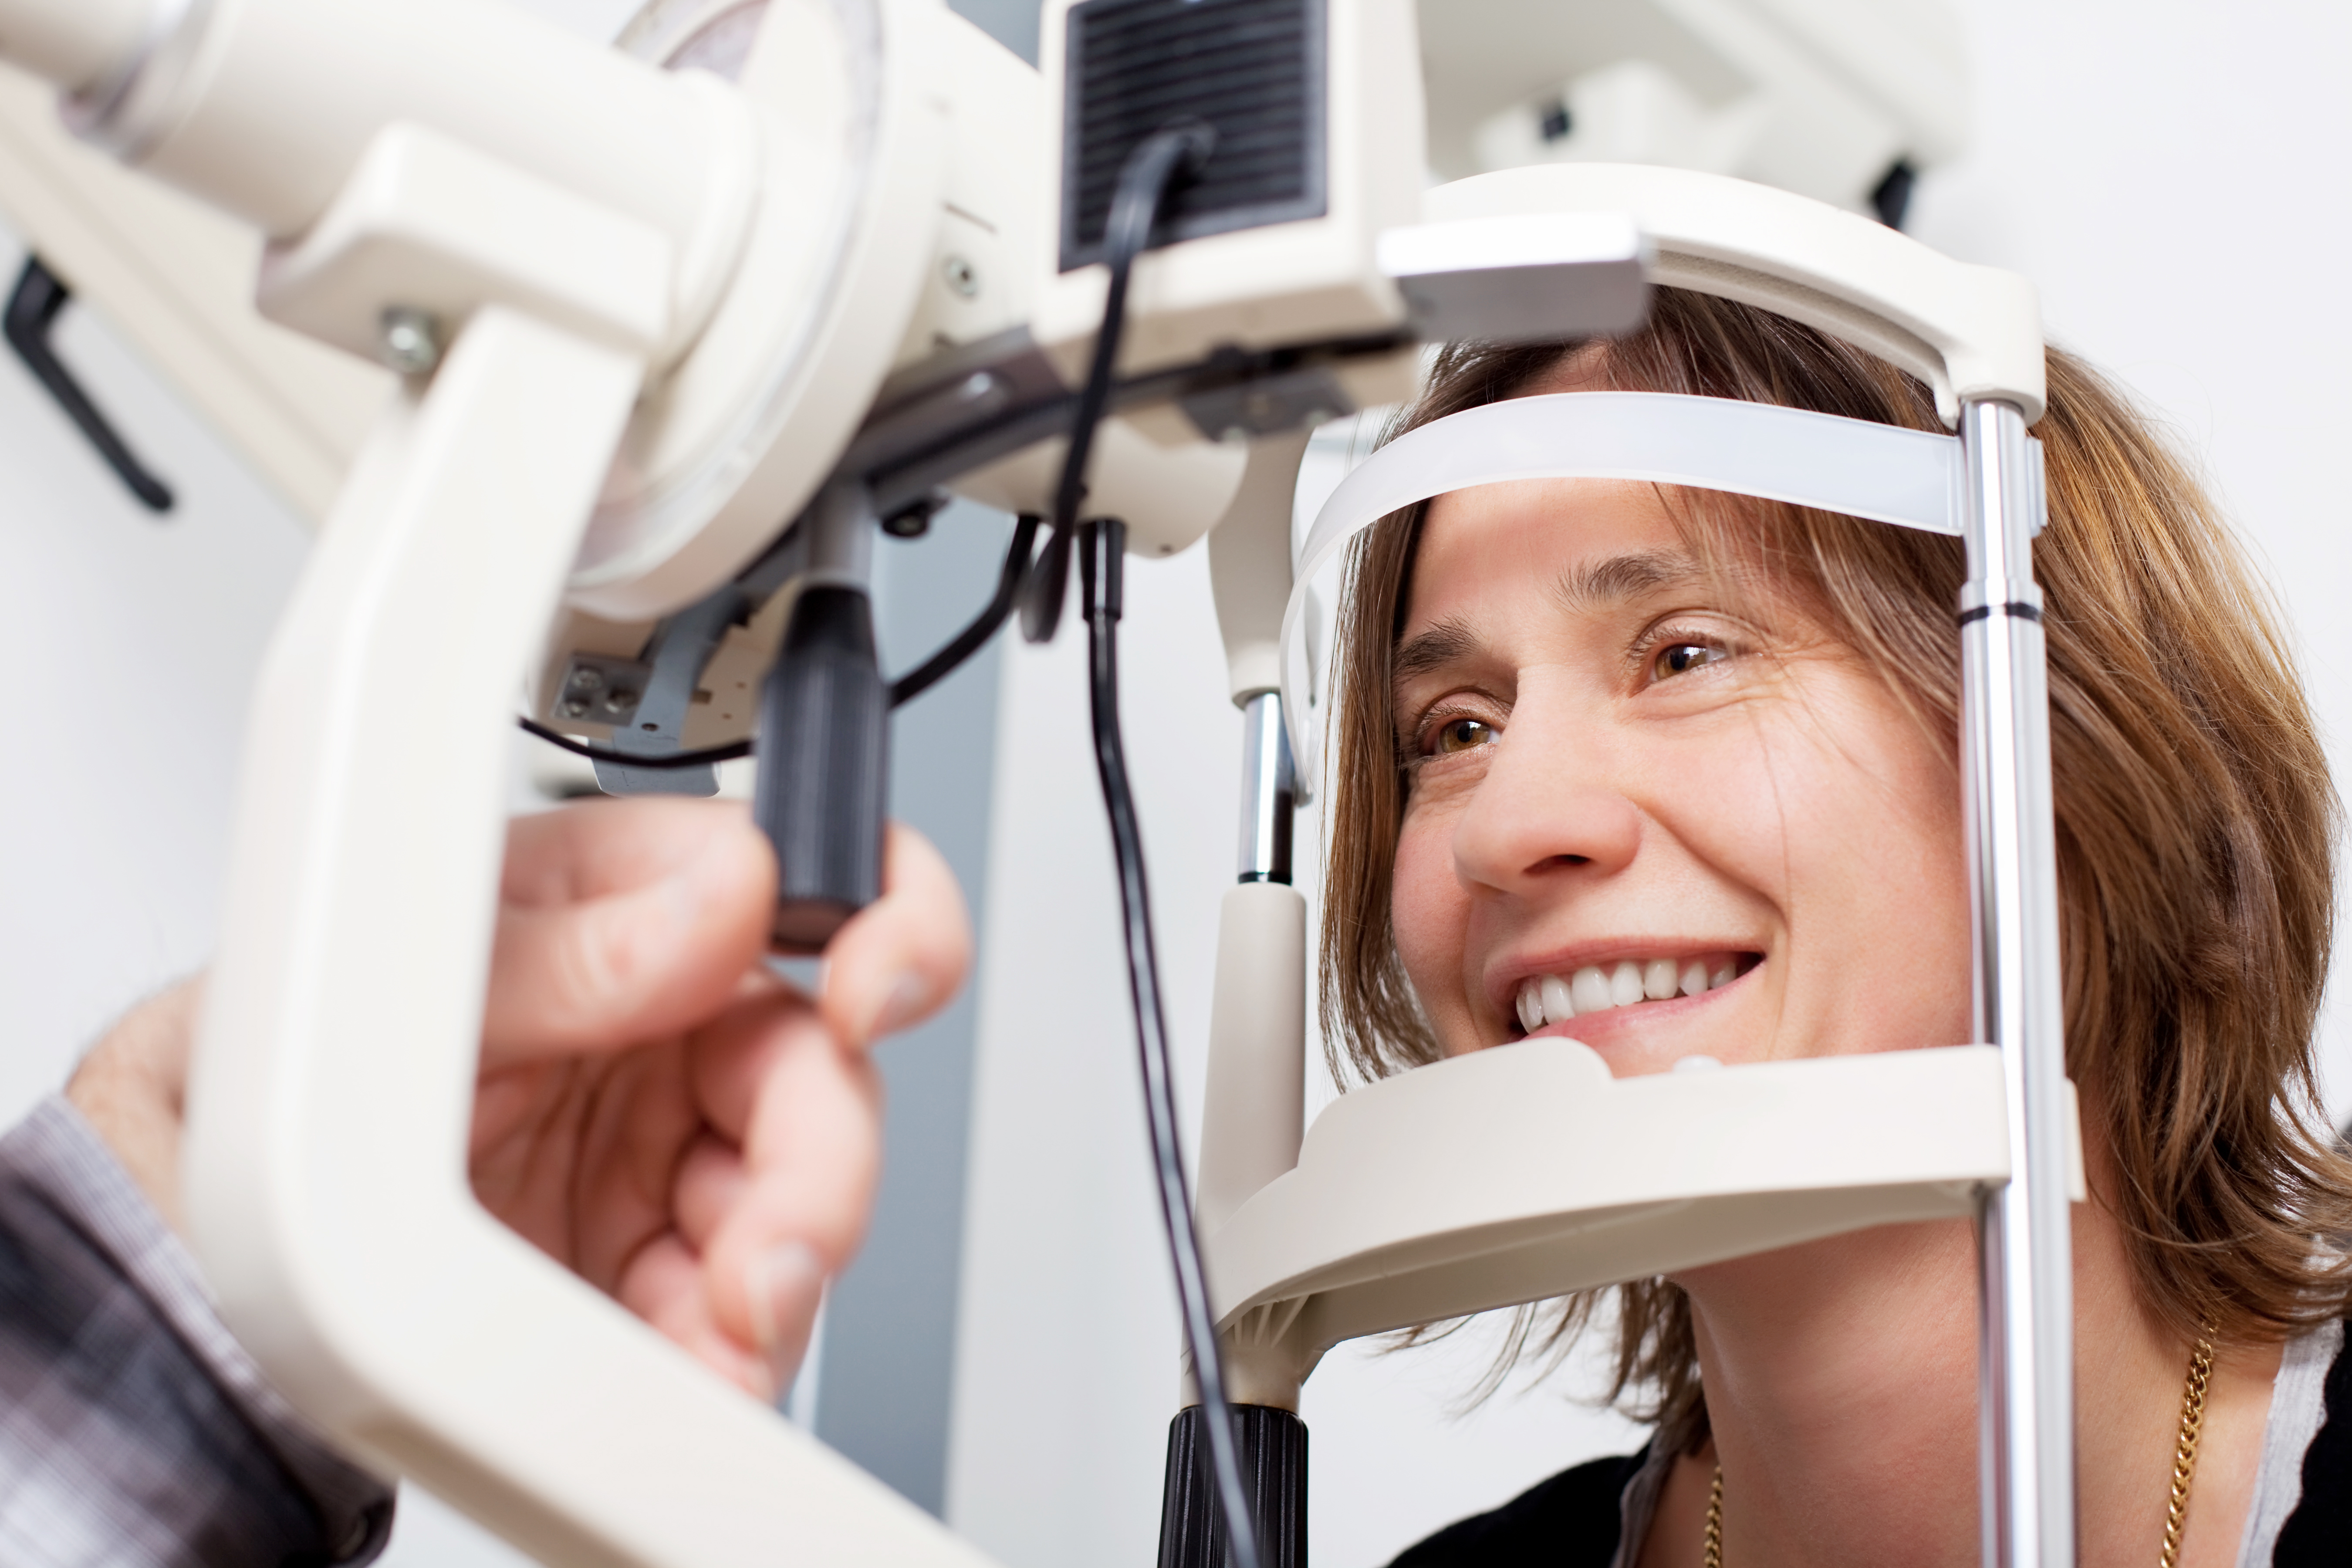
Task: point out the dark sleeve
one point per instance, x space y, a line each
134 1430
1568 1521
2319 1533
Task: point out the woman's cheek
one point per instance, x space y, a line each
1430 910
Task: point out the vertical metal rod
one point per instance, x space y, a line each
1269 791
2026 1348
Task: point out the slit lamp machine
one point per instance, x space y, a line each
676 326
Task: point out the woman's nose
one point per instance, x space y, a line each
1548 806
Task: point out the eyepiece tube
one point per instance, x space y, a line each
76 44
824 729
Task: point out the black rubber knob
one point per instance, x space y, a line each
824 770
1273 1469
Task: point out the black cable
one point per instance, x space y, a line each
1143 181
1102 547
1158 161
970 640
708 754
34 305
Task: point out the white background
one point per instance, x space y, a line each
2170 173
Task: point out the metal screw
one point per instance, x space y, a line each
617 702
587 679
574 708
962 275
411 341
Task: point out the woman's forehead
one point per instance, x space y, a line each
1583 542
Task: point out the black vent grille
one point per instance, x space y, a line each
1252 69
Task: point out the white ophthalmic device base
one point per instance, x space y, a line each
660 306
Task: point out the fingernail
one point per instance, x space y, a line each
783 1286
909 996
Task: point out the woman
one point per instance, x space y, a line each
1594 733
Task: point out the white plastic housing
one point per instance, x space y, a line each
1968 331
176 277
1255 1110
1525 1171
1301 281
729 444
213 109
75 45
794 218
991 196
1153 471
1249 564
1819 97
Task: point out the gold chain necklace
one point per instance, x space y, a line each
2184 1463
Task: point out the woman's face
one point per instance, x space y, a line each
1652 817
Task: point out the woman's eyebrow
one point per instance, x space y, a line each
1440 645
1593 585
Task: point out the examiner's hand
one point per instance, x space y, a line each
655 1110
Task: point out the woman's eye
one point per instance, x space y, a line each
1461 735
1682 657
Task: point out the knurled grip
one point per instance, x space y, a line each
823 774
1273 1469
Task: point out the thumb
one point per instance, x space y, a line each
901 958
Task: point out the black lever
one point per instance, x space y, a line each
33 309
825 737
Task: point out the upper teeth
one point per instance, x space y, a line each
1550 999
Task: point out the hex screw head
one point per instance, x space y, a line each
410 340
962 275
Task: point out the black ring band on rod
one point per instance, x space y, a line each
2015 608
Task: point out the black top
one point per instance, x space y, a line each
2319 1530
1568 1521
1571 1521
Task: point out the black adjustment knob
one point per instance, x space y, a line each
824 739
1273 1446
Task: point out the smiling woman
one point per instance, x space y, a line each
1674 774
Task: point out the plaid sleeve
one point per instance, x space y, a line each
134 1430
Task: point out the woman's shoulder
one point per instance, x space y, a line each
1568 1521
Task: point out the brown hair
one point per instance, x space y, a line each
2196 820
